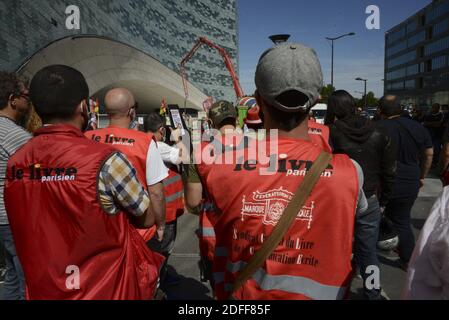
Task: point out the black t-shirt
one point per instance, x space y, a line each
435 117
410 139
446 136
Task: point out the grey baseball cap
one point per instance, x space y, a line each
289 67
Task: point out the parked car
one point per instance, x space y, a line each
319 112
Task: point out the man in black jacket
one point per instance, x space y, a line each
414 155
371 147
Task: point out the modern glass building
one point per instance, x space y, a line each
137 44
417 57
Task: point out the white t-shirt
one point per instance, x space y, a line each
168 153
428 272
156 170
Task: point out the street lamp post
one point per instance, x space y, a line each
332 60
364 80
279 38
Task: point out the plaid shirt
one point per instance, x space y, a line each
118 187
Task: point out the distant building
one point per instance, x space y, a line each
138 44
417 56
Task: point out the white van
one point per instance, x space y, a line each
319 112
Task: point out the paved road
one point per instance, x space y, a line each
184 260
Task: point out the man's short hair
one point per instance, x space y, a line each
390 106
57 90
154 122
10 84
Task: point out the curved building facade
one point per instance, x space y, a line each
32 33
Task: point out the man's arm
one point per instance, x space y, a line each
119 189
156 172
145 220
157 198
193 190
388 170
426 163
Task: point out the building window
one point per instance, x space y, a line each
396 48
437 46
410 84
397 85
407 57
439 62
441 27
417 38
396 35
396 74
413 69
437 11
412 26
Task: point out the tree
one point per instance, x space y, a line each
371 100
326 92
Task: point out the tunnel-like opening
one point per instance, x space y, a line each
107 64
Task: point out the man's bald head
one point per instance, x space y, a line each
390 106
118 101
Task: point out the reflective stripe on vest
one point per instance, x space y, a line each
206 232
290 284
174 197
171 180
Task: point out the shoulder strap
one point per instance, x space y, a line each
286 220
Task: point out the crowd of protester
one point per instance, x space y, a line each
105 202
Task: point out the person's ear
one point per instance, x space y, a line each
12 100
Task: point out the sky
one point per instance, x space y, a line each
309 22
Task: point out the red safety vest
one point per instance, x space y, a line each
314 259
319 134
174 194
134 144
69 247
206 233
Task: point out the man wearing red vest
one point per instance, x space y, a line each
140 149
71 204
313 261
223 117
172 156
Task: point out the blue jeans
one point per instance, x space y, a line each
366 235
14 286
